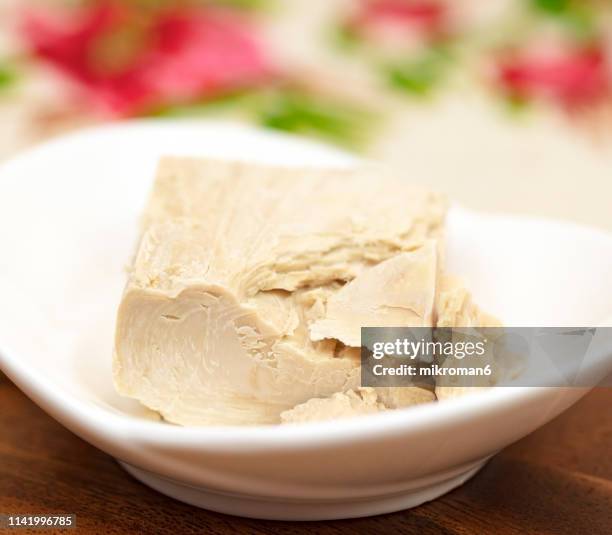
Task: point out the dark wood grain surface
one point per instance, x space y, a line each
556 481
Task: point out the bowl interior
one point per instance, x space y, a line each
68 219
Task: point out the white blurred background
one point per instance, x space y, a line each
504 104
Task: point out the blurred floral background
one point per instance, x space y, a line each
505 104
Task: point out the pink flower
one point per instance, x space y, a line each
571 76
129 61
379 19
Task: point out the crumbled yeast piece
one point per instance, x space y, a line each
400 397
250 283
398 291
455 308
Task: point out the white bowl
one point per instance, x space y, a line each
68 214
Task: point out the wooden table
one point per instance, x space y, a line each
556 481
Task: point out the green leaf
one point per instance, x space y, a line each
575 16
419 77
554 7
217 104
293 111
8 76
